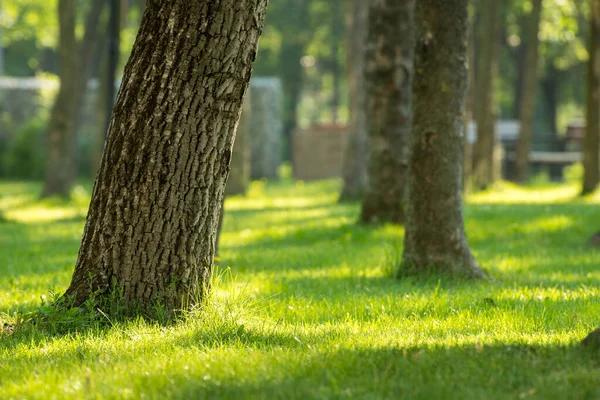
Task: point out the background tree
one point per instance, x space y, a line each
60 167
152 221
434 232
527 111
354 172
76 61
389 72
591 148
484 105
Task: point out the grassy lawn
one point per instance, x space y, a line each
305 307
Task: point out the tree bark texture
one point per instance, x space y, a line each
354 169
435 238
591 146
529 89
389 73
151 227
486 60
60 165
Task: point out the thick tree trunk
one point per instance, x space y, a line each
151 227
483 151
61 160
529 88
354 170
435 238
388 72
591 147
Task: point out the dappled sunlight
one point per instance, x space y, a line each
510 193
301 286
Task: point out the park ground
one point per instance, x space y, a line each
305 306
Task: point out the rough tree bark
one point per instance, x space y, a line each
354 170
388 71
60 165
435 238
150 231
486 60
591 147
529 88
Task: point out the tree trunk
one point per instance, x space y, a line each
150 233
529 88
114 42
591 147
388 71
483 151
354 170
435 238
470 106
292 77
239 178
61 160
64 156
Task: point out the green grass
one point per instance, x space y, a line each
304 306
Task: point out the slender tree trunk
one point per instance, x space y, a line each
519 54
354 171
483 151
550 88
470 107
151 227
61 161
292 74
389 73
337 32
435 237
114 46
61 170
529 88
591 147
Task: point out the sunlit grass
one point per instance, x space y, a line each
304 306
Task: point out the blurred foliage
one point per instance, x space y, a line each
304 43
23 154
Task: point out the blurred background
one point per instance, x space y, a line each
301 79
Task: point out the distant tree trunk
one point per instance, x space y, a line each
483 151
470 107
239 177
292 74
529 88
435 238
389 72
591 147
60 167
61 170
519 53
151 227
354 171
550 88
114 42
337 27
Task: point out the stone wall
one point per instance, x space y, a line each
318 152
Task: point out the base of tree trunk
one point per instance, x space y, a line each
592 340
375 213
462 265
